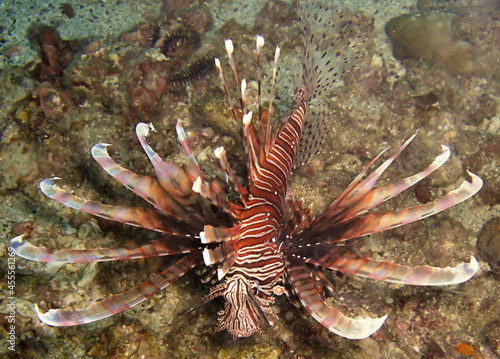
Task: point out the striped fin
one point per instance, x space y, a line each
135 216
144 186
322 280
157 248
358 188
218 254
347 262
212 234
297 218
173 179
362 201
382 194
369 223
300 278
215 198
118 303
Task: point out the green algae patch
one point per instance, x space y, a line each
429 38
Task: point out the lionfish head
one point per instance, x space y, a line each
242 315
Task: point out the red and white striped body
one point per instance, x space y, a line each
256 257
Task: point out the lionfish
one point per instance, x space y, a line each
264 243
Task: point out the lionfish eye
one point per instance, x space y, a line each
255 288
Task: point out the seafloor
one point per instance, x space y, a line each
73 75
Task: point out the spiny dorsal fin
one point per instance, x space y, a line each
332 41
314 133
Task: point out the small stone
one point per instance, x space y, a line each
488 243
68 230
204 154
208 132
434 351
10 132
84 230
494 126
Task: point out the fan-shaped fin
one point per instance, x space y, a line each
212 234
118 303
369 223
314 133
347 262
302 282
144 186
134 216
156 248
332 43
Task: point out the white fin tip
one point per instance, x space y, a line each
203 237
362 328
244 89
229 46
259 42
247 118
206 255
219 152
142 129
197 187
277 54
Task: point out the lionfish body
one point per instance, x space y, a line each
270 239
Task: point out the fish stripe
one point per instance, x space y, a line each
347 262
308 294
156 248
134 216
118 303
